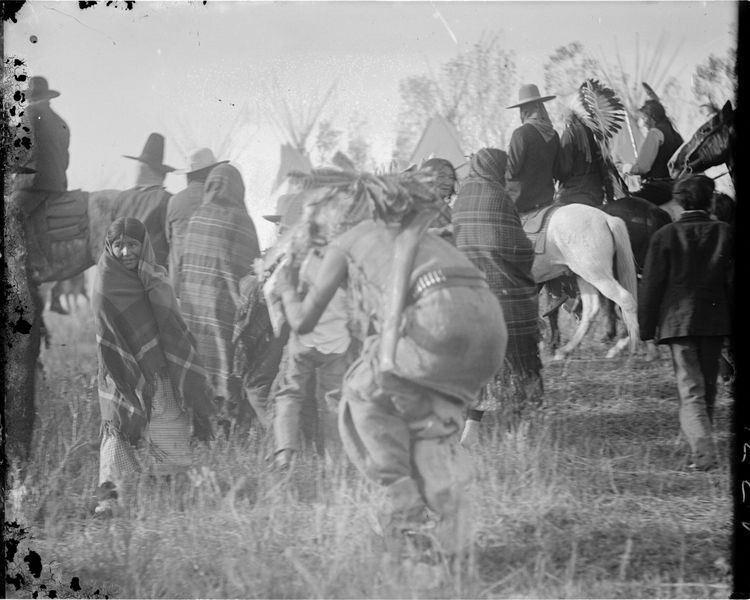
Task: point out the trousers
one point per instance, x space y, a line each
696 367
305 369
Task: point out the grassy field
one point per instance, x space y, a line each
589 502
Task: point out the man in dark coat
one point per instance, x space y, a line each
685 302
147 200
532 153
181 207
47 159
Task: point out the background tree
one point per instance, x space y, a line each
327 141
358 146
715 79
470 91
565 70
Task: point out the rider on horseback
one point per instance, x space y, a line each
661 142
532 153
48 151
44 179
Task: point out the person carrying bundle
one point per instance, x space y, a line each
433 331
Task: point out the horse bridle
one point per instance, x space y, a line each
687 169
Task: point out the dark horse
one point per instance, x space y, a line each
712 144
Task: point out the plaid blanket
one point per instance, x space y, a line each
220 246
141 337
488 231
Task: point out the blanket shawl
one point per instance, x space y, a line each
488 231
220 246
141 337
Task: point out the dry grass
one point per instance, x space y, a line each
586 502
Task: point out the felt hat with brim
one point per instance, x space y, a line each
39 90
202 160
530 93
288 210
153 154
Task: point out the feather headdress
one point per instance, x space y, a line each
599 109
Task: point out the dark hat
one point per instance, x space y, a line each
39 89
530 93
203 159
153 153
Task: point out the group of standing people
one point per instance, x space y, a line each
403 333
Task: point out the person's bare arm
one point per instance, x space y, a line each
303 314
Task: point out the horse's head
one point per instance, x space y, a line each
712 144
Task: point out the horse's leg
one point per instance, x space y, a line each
55 295
554 327
590 303
611 289
610 316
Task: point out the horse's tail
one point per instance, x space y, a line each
626 276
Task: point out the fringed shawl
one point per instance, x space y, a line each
141 336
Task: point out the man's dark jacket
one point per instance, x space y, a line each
687 281
532 165
48 156
148 204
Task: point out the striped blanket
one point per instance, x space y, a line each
220 246
140 338
488 231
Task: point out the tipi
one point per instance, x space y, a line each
440 140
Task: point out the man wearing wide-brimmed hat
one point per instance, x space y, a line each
183 204
532 153
147 200
49 138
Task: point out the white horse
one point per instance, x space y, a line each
593 245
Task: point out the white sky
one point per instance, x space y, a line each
185 69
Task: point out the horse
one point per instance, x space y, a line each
588 242
28 266
642 219
713 143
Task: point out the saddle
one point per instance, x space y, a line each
535 226
67 216
57 227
